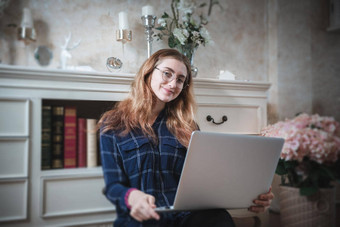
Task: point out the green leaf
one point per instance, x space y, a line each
160 28
280 168
325 171
165 15
171 41
290 164
314 175
308 191
293 178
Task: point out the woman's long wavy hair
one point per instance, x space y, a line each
134 112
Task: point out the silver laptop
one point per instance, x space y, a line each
225 171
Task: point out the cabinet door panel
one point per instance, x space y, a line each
13 200
243 119
73 195
13 157
14 117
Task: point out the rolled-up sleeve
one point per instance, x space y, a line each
116 182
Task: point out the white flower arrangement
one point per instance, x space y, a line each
184 27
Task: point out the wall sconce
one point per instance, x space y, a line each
26 31
124 35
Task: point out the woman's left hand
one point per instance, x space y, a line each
262 202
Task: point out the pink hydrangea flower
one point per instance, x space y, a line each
312 136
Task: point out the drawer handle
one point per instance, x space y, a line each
224 119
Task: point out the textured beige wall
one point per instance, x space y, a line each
238 32
325 63
283 42
308 60
294 57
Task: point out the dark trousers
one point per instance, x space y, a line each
208 218
200 218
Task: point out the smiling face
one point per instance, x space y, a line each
167 91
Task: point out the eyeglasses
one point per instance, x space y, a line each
169 76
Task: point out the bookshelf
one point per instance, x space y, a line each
72 196
85 108
73 146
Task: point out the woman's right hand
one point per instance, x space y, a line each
142 206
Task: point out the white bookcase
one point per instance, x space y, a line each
30 196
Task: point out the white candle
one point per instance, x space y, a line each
147 10
26 20
123 20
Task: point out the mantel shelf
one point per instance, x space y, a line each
30 73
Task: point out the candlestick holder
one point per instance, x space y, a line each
149 24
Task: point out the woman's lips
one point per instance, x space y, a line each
168 91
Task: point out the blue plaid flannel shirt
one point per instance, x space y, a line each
134 161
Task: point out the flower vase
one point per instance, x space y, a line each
307 211
189 50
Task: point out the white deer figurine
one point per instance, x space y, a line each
65 51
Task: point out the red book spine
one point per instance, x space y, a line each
82 142
70 137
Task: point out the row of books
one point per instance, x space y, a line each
67 141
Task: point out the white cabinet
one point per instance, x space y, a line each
14 155
30 196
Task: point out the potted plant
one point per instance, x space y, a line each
309 166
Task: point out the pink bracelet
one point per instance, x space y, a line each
127 196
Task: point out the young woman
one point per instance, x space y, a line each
143 146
